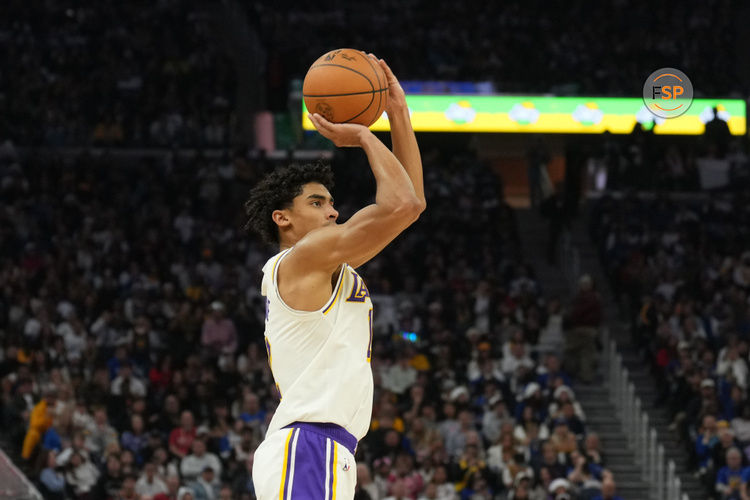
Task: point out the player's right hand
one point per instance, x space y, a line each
396 94
343 135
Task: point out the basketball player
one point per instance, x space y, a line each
318 309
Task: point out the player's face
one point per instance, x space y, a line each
312 209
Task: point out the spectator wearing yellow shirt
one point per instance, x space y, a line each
40 420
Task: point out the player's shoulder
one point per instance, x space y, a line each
273 261
269 269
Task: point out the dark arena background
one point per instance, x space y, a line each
569 318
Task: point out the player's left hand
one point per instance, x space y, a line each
396 94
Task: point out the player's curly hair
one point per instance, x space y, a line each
276 191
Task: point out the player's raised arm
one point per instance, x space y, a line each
370 229
405 146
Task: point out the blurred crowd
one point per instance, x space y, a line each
681 268
158 73
131 326
645 161
523 47
112 73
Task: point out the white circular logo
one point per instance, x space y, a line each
668 93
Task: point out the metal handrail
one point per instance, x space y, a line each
643 439
28 492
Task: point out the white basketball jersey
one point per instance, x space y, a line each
321 359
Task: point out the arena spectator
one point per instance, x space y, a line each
81 476
40 420
149 484
181 438
582 329
173 488
205 486
219 335
194 464
52 481
592 449
731 476
559 487
585 476
608 491
126 384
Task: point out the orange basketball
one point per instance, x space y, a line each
346 86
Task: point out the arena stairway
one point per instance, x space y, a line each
600 414
643 381
14 484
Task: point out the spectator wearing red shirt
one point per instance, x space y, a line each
161 376
181 438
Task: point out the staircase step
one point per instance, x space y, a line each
601 417
602 428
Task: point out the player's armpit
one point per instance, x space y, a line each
363 235
307 274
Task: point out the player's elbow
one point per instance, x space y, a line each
409 209
421 205
417 206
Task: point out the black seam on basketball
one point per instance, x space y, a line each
343 95
380 96
372 98
350 69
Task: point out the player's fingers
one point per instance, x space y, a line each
374 59
319 121
319 124
329 127
313 119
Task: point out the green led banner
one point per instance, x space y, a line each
563 115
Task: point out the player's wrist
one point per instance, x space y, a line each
398 109
364 136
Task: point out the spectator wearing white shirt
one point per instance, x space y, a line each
126 382
741 425
493 419
101 435
517 357
193 465
184 224
365 482
149 484
81 476
400 376
482 363
74 335
730 364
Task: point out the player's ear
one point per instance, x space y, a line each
280 217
